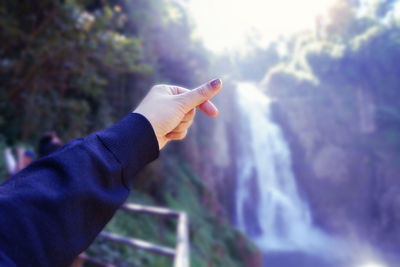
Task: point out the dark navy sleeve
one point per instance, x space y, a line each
53 209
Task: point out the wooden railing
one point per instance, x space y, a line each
181 251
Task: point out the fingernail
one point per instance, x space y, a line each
215 84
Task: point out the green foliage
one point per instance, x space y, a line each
75 66
348 66
3 169
54 63
146 227
212 242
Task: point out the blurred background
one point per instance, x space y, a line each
301 168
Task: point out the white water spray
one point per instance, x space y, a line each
269 207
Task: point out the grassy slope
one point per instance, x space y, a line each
213 241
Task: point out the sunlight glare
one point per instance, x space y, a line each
230 24
372 264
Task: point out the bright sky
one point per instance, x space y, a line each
226 24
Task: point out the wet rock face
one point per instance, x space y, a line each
331 163
351 185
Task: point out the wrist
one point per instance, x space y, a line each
160 139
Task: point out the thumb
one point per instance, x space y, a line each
202 93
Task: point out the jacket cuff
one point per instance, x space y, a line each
133 143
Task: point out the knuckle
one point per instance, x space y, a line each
175 90
181 135
202 91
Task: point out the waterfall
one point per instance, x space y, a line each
269 206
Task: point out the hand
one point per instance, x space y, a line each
171 109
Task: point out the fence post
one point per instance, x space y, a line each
182 257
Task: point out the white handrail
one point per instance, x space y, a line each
137 243
181 252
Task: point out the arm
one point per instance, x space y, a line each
53 209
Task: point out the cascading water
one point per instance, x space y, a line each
269 207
